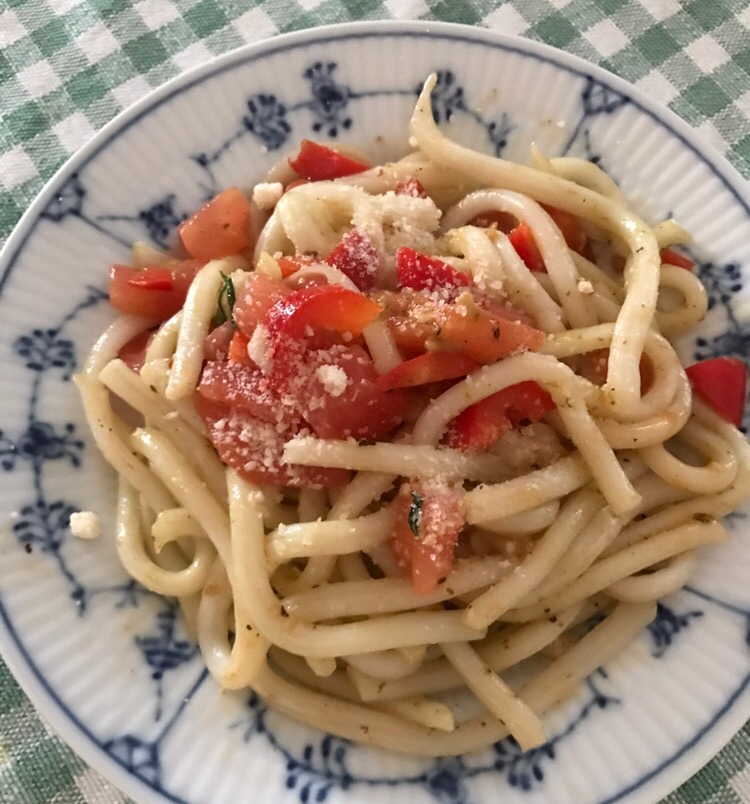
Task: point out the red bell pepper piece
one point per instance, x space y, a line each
356 257
421 272
481 424
672 257
319 163
722 383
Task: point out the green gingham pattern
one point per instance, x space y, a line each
69 66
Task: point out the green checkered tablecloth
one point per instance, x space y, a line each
68 66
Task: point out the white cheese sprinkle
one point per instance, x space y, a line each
85 525
584 286
258 349
333 378
267 194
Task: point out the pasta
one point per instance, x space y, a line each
388 432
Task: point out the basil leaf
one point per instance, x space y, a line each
225 302
415 513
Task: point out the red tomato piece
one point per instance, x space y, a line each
594 366
523 242
480 425
242 387
484 338
672 257
429 519
419 325
569 227
411 187
258 295
316 162
357 258
140 291
219 228
722 383
255 448
421 272
183 274
134 351
237 352
325 307
357 407
156 278
426 368
502 311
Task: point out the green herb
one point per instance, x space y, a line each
225 302
415 513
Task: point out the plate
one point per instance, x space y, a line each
107 663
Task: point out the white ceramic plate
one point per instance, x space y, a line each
107 663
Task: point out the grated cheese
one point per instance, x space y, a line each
85 525
267 194
584 286
258 349
333 378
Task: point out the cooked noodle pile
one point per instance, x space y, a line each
571 525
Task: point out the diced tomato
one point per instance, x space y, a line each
153 292
359 408
317 162
646 372
156 278
183 274
326 307
594 366
722 383
357 258
429 519
483 338
569 227
242 387
290 265
501 310
237 352
255 447
219 228
258 295
419 325
522 240
217 342
133 352
672 257
429 367
480 425
411 187
421 272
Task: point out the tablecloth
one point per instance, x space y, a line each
69 66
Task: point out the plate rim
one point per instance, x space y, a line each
724 723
